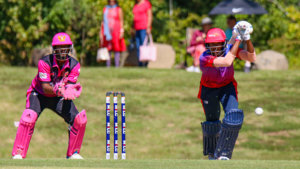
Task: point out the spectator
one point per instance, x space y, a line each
197 47
142 22
231 21
112 31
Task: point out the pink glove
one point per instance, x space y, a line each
59 89
69 93
72 91
78 89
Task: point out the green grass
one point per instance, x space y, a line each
149 164
163 117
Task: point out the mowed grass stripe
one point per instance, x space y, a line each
149 164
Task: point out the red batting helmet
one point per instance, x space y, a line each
215 35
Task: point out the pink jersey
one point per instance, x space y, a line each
140 13
216 77
49 72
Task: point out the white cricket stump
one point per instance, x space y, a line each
123 156
115 156
107 156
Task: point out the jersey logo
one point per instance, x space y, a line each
61 38
42 75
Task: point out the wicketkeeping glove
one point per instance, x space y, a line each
72 91
59 89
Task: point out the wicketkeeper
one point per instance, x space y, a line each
54 87
219 86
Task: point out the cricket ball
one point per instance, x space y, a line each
259 111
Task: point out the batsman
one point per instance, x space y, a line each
54 87
219 86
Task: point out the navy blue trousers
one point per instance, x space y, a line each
212 97
64 108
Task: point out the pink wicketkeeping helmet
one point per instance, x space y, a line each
62 39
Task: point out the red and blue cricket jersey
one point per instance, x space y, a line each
215 77
50 72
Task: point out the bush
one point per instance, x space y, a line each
25 25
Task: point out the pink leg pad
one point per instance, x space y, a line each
24 132
76 133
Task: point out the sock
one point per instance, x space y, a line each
108 62
117 59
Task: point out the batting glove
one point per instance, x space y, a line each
236 33
244 29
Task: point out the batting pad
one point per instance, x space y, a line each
210 130
232 123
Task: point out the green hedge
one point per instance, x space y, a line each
27 24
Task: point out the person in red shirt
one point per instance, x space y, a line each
142 21
197 47
218 86
112 31
54 87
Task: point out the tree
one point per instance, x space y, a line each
25 25
21 28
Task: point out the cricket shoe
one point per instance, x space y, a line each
75 156
17 157
223 158
197 69
190 69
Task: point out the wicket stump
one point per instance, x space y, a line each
115 105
